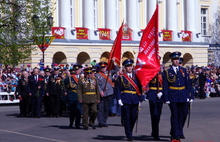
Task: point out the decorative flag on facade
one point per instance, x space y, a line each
44 42
116 50
148 63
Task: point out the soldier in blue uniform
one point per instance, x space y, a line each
128 91
177 93
156 100
71 83
106 92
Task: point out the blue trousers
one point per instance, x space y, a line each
155 113
130 114
35 106
103 109
75 113
179 112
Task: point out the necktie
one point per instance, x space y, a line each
177 71
36 78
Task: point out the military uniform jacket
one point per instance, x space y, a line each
177 87
53 88
22 87
101 84
71 86
88 91
123 87
154 90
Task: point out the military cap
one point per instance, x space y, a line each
175 55
56 68
103 64
181 60
47 69
128 62
88 70
71 71
76 67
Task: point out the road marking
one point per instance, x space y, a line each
31 135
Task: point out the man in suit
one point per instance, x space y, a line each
89 95
55 90
71 83
177 93
35 89
128 91
156 100
202 80
22 90
46 98
106 86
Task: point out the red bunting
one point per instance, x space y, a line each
148 63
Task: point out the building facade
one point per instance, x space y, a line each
85 29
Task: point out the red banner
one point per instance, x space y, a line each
148 63
104 34
167 35
81 33
116 50
186 36
58 32
127 33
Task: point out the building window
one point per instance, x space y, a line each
204 21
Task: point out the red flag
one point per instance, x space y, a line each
148 63
116 50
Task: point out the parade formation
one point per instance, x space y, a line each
87 94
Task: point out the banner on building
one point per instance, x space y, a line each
82 33
126 32
58 32
167 35
148 63
186 36
104 34
43 42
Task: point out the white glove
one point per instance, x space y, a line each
167 102
120 102
187 100
159 95
191 100
139 104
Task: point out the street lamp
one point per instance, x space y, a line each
36 21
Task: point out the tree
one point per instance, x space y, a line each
18 28
214 29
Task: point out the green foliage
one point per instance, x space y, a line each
18 28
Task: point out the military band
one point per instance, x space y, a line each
89 94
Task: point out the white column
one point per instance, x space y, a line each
110 17
65 17
151 6
88 17
191 17
172 24
132 14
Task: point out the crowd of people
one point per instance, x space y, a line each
93 92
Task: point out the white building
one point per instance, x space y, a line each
183 24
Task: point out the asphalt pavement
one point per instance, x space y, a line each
204 126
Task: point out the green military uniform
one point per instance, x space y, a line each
88 94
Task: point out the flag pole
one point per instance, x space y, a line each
110 58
